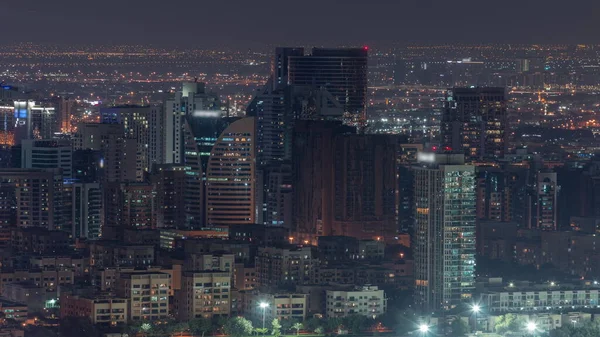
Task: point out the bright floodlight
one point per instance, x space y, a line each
476 308
423 328
531 326
263 304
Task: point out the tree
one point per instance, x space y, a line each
78 326
260 331
275 327
219 323
509 323
287 324
459 328
355 323
319 330
297 326
200 326
333 323
313 323
238 327
177 328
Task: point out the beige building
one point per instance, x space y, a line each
47 279
280 266
366 301
203 294
99 309
282 306
221 262
148 294
106 279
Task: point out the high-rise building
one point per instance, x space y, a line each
444 235
31 197
169 185
231 183
200 133
192 100
281 63
86 211
546 201
203 294
364 186
344 183
313 177
48 154
30 121
147 294
143 123
286 266
66 108
120 161
343 72
493 194
475 122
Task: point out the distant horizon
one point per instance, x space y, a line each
322 22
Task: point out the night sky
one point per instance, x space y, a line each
247 23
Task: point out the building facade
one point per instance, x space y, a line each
367 301
444 238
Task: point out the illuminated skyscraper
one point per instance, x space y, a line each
343 72
444 235
231 183
192 100
475 122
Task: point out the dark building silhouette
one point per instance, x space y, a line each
344 183
343 72
475 122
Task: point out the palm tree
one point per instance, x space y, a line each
297 327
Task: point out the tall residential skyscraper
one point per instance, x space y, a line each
169 185
444 235
231 183
86 210
475 122
31 197
343 72
546 201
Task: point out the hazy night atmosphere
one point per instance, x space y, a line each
300 168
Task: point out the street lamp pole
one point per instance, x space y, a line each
264 306
476 309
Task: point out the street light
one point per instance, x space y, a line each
424 328
531 327
264 306
476 309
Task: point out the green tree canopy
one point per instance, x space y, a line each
510 323
200 326
275 327
459 328
238 327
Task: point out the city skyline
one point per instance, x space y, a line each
248 24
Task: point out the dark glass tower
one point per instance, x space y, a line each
343 72
475 122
